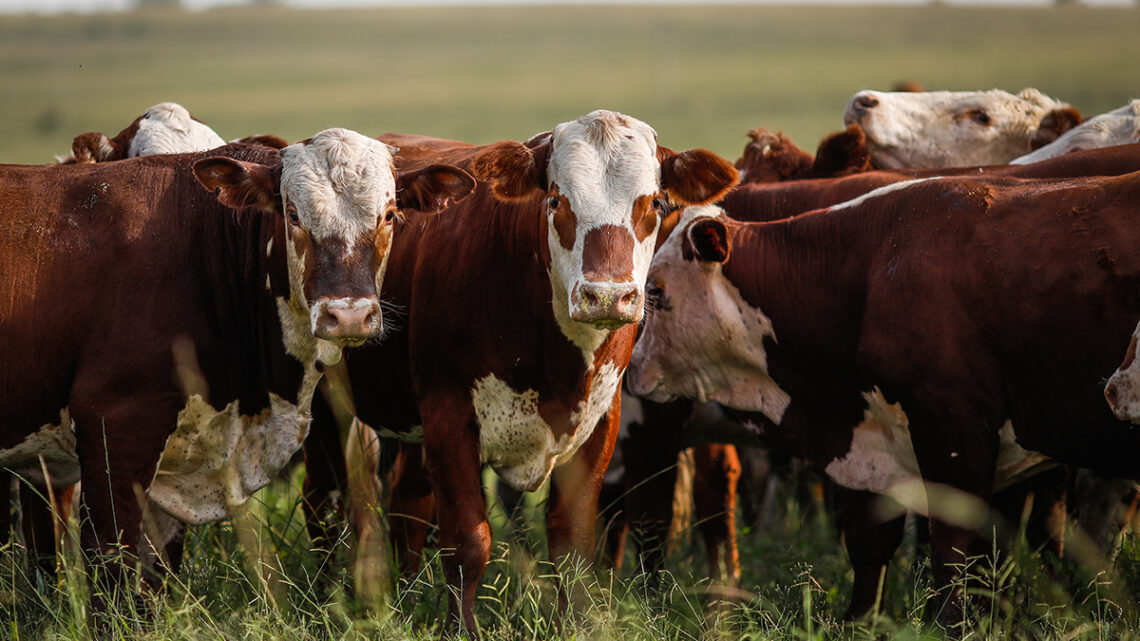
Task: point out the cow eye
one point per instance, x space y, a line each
980 117
390 215
554 202
292 212
659 204
654 294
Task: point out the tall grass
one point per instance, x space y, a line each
795 586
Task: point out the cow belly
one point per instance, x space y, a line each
55 444
215 460
516 441
881 458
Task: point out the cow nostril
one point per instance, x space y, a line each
863 103
590 298
629 299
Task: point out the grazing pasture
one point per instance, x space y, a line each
702 76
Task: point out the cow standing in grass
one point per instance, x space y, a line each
161 342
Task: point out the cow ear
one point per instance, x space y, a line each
514 170
94 146
842 153
696 177
1055 123
431 189
709 238
239 184
265 140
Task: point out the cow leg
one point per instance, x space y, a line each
871 542
714 497
957 455
451 455
411 508
650 455
42 518
325 476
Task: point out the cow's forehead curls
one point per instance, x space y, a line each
339 180
603 157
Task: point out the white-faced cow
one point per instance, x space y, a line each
948 296
956 128
521 308
184 360
1118 127
165 128
1123 389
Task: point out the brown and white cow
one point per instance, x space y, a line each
1118 127
1123 388
773 157
165 128
184 357
956 128
521 307
948 297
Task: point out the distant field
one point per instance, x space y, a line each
701 75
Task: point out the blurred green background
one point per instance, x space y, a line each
702 76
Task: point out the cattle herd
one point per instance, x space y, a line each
927 312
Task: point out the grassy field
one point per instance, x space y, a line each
701 75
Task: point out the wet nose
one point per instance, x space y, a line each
348 320
607 305
857 108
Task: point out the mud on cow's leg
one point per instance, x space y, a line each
451 455
871 535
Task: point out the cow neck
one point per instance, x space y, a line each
259 318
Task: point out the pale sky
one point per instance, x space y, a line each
93 6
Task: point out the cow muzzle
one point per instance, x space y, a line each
347 321
858 107
606 305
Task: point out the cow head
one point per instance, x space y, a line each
1117 127
339 194
604 184
934 129
702 340
165 128
1123 389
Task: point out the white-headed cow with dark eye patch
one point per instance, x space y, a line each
185 359
522 305
932 129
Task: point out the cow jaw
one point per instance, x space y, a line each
1123 390
604 174
703 341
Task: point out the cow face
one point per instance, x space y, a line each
604 184
1123 389
1117 127
339 194
934 129
702 340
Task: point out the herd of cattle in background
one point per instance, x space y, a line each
938 329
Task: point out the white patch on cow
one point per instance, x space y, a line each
945 129
708 342
167 128
215 460
340 183
1123 388
516 441
1117 127
881 191
55 443
269 248
602 163
882 460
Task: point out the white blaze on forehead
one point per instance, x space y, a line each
1118 127
707 342
340 183
935 129
167 128
881 191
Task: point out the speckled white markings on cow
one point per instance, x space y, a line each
55 443
516 441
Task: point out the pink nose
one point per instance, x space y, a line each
857 108
351 321
607 305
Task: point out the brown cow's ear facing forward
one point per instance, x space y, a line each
708 241
696 176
